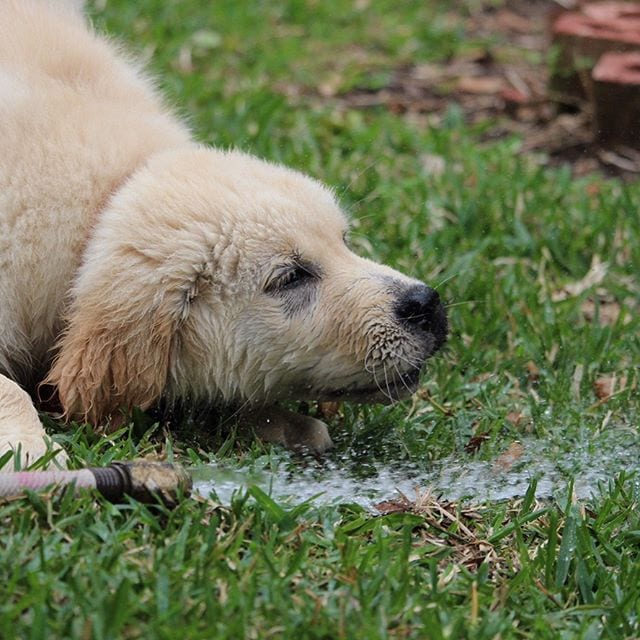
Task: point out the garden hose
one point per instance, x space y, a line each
144 480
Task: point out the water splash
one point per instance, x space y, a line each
336 481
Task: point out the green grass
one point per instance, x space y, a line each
501 234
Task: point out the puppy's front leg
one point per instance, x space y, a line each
292 430
20 427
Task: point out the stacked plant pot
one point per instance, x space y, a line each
598 62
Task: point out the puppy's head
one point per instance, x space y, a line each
218 276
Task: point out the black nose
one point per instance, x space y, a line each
419 308
416 305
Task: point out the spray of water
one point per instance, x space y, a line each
339 480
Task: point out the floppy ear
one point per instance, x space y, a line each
116 349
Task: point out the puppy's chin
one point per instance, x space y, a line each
368 392
380 392
369 396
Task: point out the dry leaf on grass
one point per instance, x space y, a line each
481 84
483 377
606 311
533 371
508 458
593 277
399 505
475 442
605 386
515 418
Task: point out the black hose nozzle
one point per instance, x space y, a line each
143 480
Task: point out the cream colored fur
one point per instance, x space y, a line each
136 264
20 428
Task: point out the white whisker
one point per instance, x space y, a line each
451 277
401 378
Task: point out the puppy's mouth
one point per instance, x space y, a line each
386 390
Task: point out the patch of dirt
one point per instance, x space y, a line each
503 82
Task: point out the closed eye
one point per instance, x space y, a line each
290 277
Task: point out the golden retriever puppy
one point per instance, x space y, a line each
137 264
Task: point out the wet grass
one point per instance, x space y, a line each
508 241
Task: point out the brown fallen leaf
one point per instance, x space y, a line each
593 277
483 377
533 371
475 442
481 84
606 311
605 386
515 418
508 458
513 99
401 505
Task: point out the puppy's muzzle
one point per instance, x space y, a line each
420 310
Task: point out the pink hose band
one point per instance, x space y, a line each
12 484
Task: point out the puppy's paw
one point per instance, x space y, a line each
29 448
291 430
303 433
21 431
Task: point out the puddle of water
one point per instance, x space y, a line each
589 464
